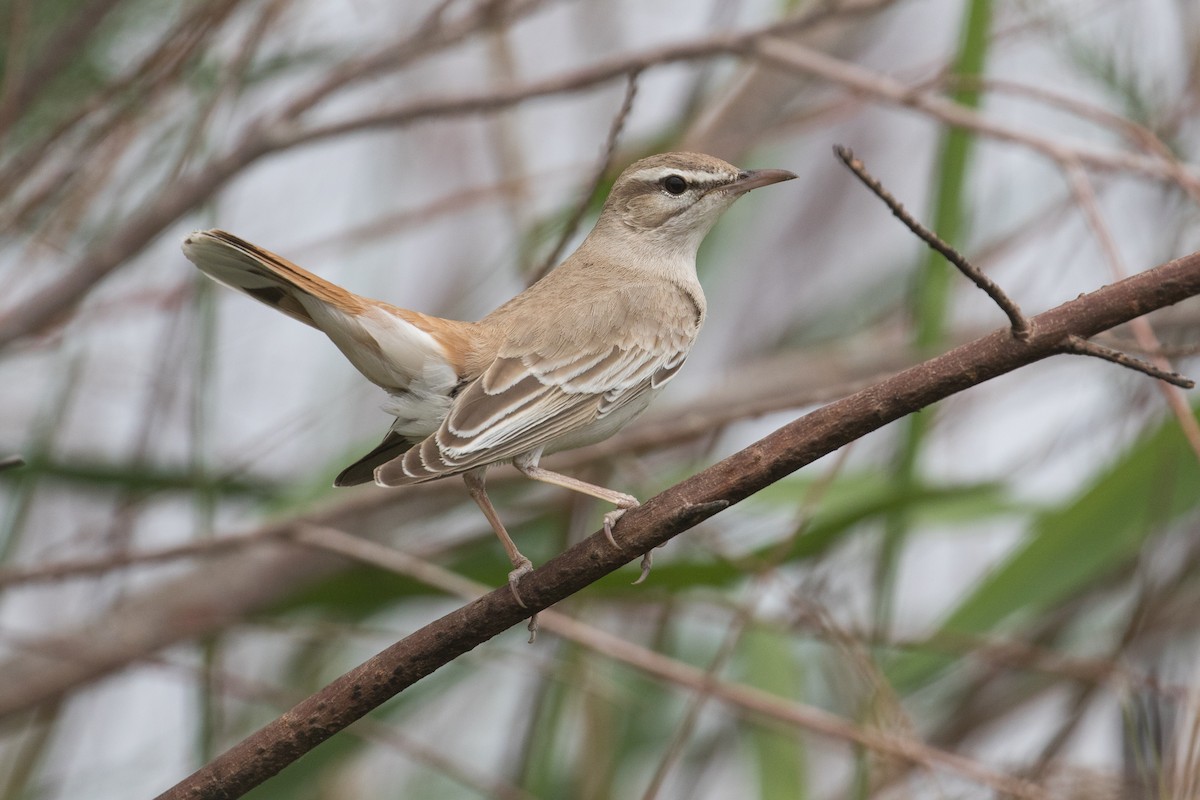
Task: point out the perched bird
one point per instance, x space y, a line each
565 363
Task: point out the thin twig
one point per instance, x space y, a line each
11 462
65 43
888 90
103 565
38 170
1136 133
1020 324
1083 347
610 147
1085 196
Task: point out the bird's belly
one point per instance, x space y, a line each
418 412
601 428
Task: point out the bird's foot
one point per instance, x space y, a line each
523 567
610 519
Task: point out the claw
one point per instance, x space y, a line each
524 567
647 561
611 517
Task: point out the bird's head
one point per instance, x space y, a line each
673 199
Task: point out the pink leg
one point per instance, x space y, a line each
530 469
521 564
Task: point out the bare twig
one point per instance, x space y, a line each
103 114
1085 348
610 146
1137 133
1081 189
65 43
82 567
1020 325
879 86
675 510
11 462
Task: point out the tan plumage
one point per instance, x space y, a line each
565 363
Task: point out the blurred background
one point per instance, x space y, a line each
1009 577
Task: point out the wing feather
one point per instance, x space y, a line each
499 416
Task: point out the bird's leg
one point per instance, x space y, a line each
623 502
521 564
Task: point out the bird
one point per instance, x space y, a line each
567 362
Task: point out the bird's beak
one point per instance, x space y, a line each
752 179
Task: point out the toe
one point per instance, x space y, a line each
647 561
514 578
610 519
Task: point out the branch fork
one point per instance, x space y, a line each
1020 326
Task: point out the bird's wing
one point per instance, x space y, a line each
522 403
395 348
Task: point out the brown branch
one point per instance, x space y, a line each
232 585
886 89
437 31
1083 347
610 147
1134 132
102 565
1020 325
675 510
44 307
103 114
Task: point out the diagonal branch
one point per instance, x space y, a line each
1020 325
675 510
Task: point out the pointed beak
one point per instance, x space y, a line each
752 179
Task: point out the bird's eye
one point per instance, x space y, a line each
674 184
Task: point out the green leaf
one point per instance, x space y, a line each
140 477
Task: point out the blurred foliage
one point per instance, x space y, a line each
813 590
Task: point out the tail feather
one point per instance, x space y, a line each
263 275
417 358
363 471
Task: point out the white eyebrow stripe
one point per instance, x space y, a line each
695 176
